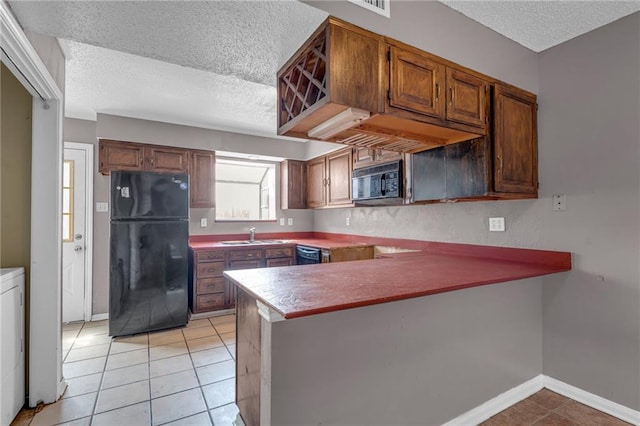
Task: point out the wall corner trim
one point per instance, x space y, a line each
267 313
499 403
587 398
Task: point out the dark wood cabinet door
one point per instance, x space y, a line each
466 98
202 179
230 292
116 155
283 261
293 185
416 82
363 157
167 160
316 182
339 177
515 141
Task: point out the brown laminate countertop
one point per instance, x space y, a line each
297 291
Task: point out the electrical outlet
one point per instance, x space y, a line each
496 224
102 207
348 221
290 221
559 202
203 222
282 221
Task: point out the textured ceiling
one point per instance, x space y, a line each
539 25
212 64
112 82
248 39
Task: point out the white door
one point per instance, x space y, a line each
73 234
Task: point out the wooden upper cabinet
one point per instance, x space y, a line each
166 159
316 182
329 180
515 141
338 67
116 155
293 185
131 156
363 157
339 177
467 98
202 179
416 82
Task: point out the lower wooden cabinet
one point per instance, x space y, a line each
346 254
210 291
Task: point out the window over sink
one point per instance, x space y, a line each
245 190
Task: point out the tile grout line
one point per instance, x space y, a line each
204 398
104 369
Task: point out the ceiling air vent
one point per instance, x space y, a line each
380 7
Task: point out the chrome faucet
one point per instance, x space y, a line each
252 234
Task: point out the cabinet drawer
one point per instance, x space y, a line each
210 302
209 285
210 256
245 264
283 261
245 254
211 269
278 252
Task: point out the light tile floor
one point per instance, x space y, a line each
177 377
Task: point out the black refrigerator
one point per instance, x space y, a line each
149 237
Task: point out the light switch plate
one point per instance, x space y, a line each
282 221
496 224
203 222
290 221
102 207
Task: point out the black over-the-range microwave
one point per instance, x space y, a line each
379 184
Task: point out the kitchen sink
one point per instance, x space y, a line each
255 242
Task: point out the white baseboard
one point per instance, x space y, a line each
501 402
512 396
100 317
587 398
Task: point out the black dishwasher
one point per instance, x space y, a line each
307 255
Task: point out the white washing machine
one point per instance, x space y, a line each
12 396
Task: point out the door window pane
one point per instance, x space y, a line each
67 201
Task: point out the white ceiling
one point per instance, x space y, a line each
539 25
212 64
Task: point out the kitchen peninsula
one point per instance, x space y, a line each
407 338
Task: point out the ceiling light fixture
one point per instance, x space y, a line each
342 121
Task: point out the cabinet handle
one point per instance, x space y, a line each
328 181
437 91
324 182
499 164
450 94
